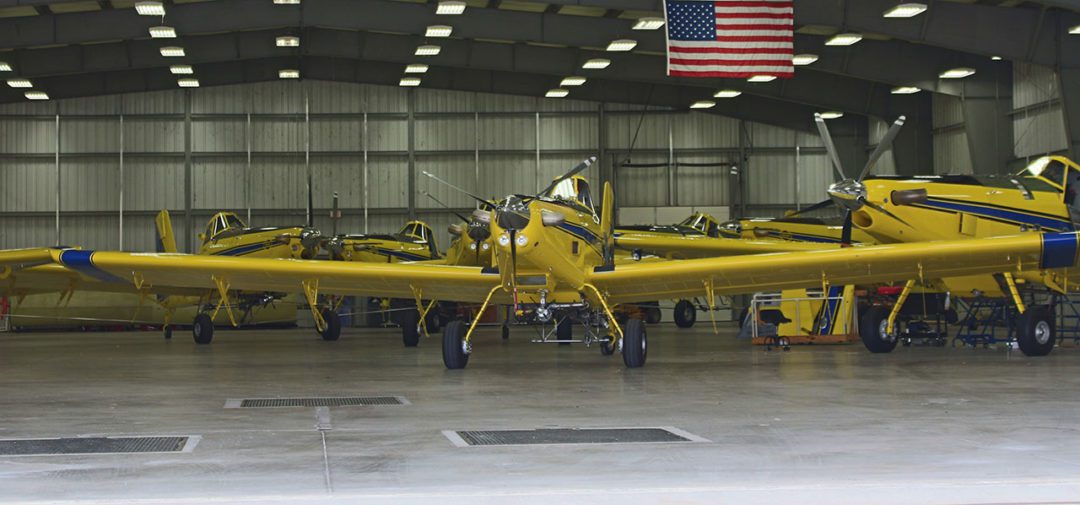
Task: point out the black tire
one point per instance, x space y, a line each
607 347
167 332
653 314
871 329
410 333
635 344
506 332
453 353
564 331
333 325
1035 331
202 330
685 314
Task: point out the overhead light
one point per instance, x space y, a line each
286 2
573 80
188 82
147 8
703 104
804 59
843 39
36 95
995 58
434 31
172 51
162 32
622 45
557 93
596 64
1074 30
762 78
727 93
20 83
907 10
450 8
5 67
288 41
416 68
648 23
832 115
288 73
409 81
181 69
905 90
428 50
957 73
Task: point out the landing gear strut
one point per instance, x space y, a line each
410 332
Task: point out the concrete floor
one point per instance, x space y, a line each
815 425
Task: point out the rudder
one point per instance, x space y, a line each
166 240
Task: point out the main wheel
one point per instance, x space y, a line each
873 332
202 330
410 332
453 347
333 325
1035 332
634 348
685 314
564 331
652 312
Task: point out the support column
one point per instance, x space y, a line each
412 153
188 245
57 160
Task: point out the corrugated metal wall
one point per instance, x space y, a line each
1038 119
490 144
951 153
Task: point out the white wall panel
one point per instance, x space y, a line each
153 183
27 184
1033 84
279 182
768 178
505 174
90 232
1039 132
439 100
140 232
154 135
336 97
951 153
388 178
770 136
565 105
815 175
705 131
387 135
108 104
569 132
89 135
457 169
154 102
277 135
384 99
222 135
341 174
702 186
24 231
488 102
887 164
650 131
507 132
218 183
89 183
446 134
947 110
642 187
28 136
337 134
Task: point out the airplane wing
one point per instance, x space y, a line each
700 246
855 265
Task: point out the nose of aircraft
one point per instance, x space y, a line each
309 240
848 193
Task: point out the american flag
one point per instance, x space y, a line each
729 38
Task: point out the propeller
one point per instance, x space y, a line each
581 167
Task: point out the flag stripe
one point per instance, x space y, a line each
754 15
728 74
732 62
730 38
686 52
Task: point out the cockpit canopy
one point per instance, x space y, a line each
221 223
1059 172
421 233
704 223
574 190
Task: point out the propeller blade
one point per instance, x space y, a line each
474 197
445 206
845 232
817 206
829 146
573 171
884 145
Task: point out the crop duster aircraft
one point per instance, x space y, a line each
555 259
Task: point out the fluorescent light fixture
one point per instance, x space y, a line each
957 73
727 93
1074 30
36 95
804 59
762 78
557 93
286 2
428 50
287 41
162 32
172 51
188 82
416 68
147 8
832 115
409 81
5 66
905 90
20 83
450 8
906 10
181 69
574 80
703 104
434 31
843 39
649 24
288 73
995 58
596 64
622 45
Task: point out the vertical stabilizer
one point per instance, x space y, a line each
166 241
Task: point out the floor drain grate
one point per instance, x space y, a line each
563 436
95 445
349 401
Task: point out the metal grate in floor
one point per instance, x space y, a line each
346 401
562 436
95 445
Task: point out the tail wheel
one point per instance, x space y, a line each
332 331
506 332
635 345
410 333
607 347
1035 332
652 312
873 330
454 347
685 314
202 330
564 331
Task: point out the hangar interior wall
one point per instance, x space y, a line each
110 163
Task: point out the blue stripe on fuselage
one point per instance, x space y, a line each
1048 223
1058 250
